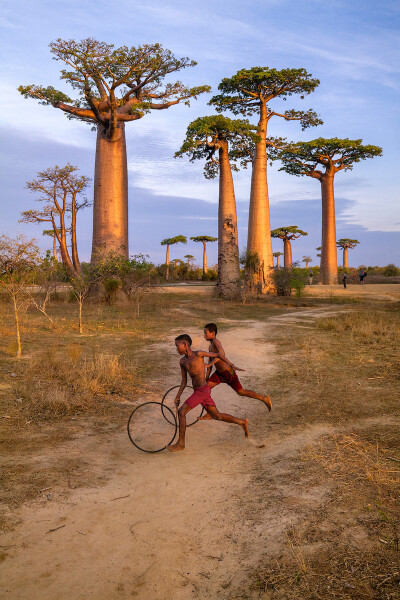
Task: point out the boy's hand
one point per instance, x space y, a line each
237 368
177 401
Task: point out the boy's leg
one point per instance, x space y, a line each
180 444
215 414
211 385
250 394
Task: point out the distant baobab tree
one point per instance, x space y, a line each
277 255
178 239
204 239
318 250
322 159
249 92
190 259
224 144
51 233
306 259
114 86
292 232
345 244
60 191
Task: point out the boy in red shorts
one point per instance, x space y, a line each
222 374
193 363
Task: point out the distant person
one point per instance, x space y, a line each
310 276
363 274
354 276
344 279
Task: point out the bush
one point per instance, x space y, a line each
288 279
211 275
391 270
111 287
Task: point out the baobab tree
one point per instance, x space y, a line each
250 92
319 251
51 233
306 259
322 159
59 190
178 239
287 234
190 259
225 145
277 255
345 244
114 86
204 239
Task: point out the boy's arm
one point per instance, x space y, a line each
212 361
223 358
182 386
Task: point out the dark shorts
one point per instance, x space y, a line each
201 395
226 377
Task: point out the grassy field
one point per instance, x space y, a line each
340 372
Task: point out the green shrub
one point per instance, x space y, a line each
391 270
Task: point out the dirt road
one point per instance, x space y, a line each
170 527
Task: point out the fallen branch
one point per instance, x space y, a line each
119 497
55 529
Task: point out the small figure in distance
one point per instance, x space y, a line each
310 276
363 274
344 279
224 375
354 276
192 362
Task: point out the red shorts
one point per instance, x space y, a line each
201 395
226 377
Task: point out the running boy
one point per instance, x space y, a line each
222 374
192 362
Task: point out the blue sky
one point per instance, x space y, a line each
352 47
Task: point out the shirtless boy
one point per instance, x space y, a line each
222 374
192 362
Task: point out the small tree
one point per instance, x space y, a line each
204 239
178 239
321 159
287 234
190 259
19 258
277 255
345 244
59 189
319 251
51 233
46 279
306 259
391 270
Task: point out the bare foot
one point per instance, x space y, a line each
245 427
175 447
268 402
206 417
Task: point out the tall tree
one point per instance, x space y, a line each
59 190
178 239
277 255
225 145
322 159
345 244
114 86
306 259
190 259
287 234
250 92
204 239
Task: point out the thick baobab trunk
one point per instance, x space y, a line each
204 258
228 249
259 231
55 248
328 247
110 205
167 263
62 240
346 258
287 254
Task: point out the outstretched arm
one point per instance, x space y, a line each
220 356
182 386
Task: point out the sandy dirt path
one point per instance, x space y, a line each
193 524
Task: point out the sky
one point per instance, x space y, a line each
351 47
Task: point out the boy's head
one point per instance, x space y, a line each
210 331
183 342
